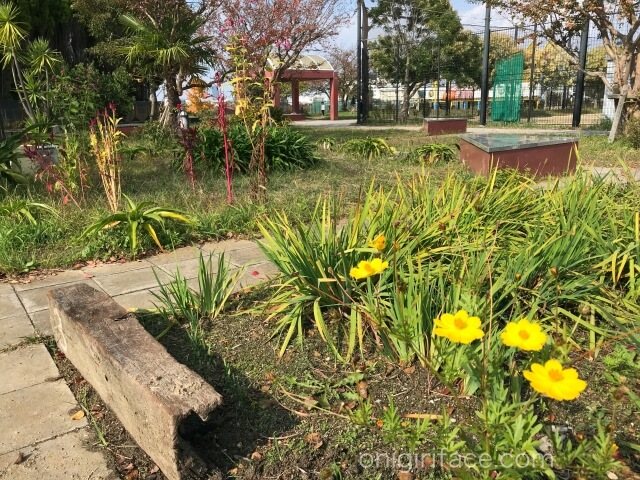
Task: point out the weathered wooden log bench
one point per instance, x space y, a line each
158 400
444 126
538 155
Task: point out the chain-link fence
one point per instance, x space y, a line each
545 82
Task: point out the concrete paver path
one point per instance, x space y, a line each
36 405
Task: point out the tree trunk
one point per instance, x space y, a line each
406 89
153 98
617 117
173 99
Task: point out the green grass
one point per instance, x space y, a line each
149 176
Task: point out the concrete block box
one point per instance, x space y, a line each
538 155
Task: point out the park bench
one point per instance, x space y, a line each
160 402
538 155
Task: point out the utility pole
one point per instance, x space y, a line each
484 88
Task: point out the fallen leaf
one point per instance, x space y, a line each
121 459
20 458
78 415
313 438
95 408
256 456
361 388
233 471
409 370
98 416
269 377
77 266
265 388
86 275
310 402
129 467
405 475
132 474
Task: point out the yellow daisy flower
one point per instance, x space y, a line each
459 328
555 382
524 335
379 243
368 268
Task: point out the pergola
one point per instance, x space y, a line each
307 67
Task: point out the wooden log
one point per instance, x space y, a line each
158 400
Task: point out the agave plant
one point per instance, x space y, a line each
138 216
9 156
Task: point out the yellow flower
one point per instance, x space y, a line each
367 269
554 382
379 243
459 328
524 335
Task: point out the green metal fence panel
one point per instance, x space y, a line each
507 89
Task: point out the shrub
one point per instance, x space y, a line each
499 249
285 148
632 132
80 91
433 153
368 147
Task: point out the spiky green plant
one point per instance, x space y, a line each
138 216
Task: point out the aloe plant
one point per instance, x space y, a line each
138 216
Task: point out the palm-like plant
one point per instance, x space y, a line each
136 217
30 63
170 48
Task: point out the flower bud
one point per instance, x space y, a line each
553 271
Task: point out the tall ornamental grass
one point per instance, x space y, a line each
504 248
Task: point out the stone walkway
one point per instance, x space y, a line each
35 403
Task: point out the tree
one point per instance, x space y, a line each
617 23
414 31
166 43
344 62
276 29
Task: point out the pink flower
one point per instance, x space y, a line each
112 106
179 106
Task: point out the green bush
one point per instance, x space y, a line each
632 132
285 148
80 91
568 257
433 153
369 147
